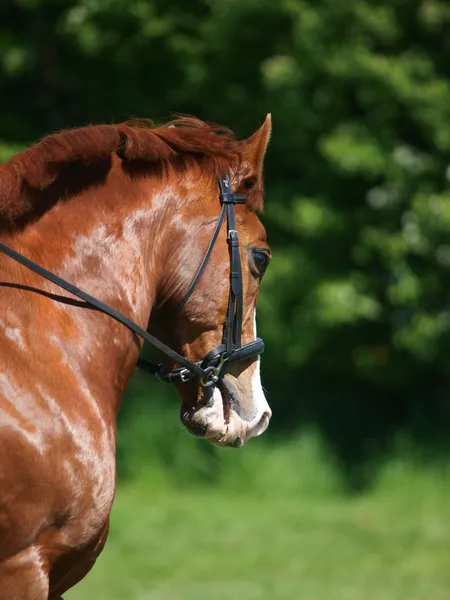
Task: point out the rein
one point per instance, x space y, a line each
229 351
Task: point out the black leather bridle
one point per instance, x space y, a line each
209 370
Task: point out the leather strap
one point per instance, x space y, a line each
204 262
233 324
105 308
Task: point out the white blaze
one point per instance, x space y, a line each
259 398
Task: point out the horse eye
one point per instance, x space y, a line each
261 260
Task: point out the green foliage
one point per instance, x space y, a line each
355 306
8 149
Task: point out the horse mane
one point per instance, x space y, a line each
35 169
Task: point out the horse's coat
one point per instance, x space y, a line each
126 214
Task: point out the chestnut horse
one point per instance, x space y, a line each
126 213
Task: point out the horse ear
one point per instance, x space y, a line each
256 145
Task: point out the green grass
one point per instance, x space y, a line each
276 524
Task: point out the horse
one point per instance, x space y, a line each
112 234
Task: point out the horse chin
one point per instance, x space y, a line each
217 419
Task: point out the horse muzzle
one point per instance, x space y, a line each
232 411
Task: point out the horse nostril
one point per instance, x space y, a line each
267 414
262 424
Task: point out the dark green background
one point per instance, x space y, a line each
355 308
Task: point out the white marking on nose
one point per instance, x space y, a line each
259 398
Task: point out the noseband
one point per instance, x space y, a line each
230 351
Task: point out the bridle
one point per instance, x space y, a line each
211 368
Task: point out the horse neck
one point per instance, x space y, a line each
109 242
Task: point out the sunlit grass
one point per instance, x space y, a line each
276 524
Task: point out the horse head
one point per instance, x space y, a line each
191 318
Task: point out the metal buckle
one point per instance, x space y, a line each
184 375
170 376
212 373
